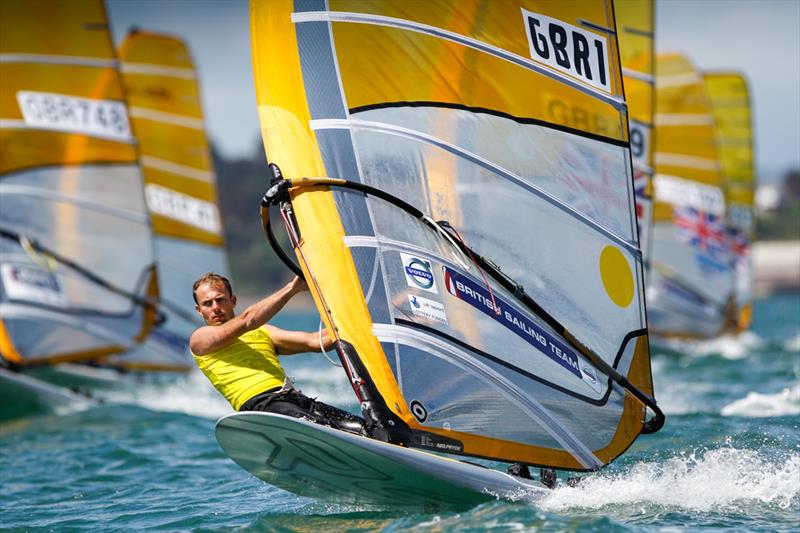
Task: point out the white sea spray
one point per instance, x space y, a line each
728 346
793 344
712 480
755 404
191 394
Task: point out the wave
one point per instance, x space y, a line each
727 346
755 404
716 480
793 344
194 395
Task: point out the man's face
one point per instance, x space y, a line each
215 305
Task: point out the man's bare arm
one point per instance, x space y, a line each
210 338
292 342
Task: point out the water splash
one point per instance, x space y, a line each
191 394
715 480
728 346
784 403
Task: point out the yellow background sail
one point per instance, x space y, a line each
692 294
166 113
635 27
730 102
180 187
71 182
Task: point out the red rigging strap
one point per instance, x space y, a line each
464 246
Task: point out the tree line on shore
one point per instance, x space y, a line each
783 222
241 183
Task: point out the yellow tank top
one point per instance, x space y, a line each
244 368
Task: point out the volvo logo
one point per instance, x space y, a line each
420 272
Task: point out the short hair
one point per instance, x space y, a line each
213 279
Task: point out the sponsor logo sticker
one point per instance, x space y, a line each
590 377
684 193
427 308
640 142
73 114
32 284
183 208
419 273
478 297
577 52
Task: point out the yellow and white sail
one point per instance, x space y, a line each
690 289
180 186
506 119
76 251
730 103
635 30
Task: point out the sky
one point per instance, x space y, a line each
759 38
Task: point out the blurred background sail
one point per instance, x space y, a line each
691 286
473 113
180 187
635 27
730 103
78 272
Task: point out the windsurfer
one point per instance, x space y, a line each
239 353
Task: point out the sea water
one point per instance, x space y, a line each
728 457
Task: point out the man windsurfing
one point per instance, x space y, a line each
239 353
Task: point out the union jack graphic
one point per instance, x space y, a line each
740 245
702 230
640 195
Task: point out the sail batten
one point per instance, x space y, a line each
59 60
168 118
157 70
636 48
84 203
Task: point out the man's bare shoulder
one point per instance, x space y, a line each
207 339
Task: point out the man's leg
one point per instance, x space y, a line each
296 404
341 419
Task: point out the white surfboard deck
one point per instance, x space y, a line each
332 465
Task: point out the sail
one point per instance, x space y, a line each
730 103
76 251
179 185
636 42
690 289
461 201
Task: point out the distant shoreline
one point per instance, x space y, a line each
776 267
